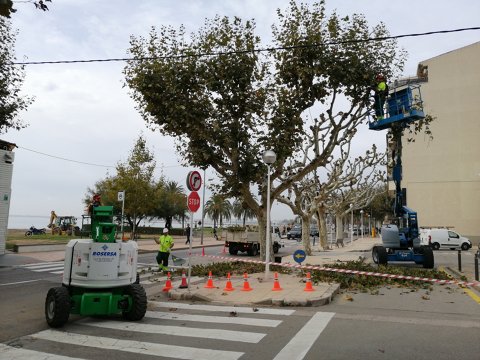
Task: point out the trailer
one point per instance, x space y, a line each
249 241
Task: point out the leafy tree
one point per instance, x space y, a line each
11 80
6 6
218 208
172 202
135 176
225 109
241 211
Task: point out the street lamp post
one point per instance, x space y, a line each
351 223
269 157
361 222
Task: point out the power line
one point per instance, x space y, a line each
82 162
65 159
269 49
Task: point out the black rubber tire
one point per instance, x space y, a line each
139 302
28 233
375 254
380 254
428 260
276 248
232 250
465 246
57 306
253 251
435 246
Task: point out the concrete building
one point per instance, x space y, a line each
442 176
6 171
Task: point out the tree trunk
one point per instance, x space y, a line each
306 235
339 229
322 228
262 223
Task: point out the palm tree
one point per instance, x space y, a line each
172 204
218 208
242 211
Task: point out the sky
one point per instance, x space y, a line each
82 112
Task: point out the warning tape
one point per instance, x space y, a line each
347 271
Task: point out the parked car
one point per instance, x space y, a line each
442 238
295 233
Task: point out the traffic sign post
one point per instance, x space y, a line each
194 183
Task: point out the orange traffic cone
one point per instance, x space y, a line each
246 285
209 284
168 283
308 285
228 286
184 284
276 283
203 251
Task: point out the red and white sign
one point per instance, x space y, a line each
193 201
194 181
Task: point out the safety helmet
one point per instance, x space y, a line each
165 230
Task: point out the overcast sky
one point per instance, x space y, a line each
81 111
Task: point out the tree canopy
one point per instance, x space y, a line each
225 103
11 80
145 197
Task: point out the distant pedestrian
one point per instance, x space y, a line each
166 243
215 232
187 232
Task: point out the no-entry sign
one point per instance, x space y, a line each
194 181
193 201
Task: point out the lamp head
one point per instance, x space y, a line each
269 157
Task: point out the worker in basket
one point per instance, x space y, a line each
381 93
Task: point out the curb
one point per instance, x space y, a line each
325 299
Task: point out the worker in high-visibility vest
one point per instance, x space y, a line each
381 93
166 244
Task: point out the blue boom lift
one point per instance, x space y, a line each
401 239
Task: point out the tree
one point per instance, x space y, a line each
226 108
241 211
172 202
135 177
11 80
6 7
326 192
218 208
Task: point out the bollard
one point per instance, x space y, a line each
460 260
477 255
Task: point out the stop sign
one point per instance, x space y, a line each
193 201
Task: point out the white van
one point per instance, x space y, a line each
442 238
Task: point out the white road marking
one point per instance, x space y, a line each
213 319
217 334
214 308
20 282
137 347
42 265
299 345
14 353
53 268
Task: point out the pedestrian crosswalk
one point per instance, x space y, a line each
56 267
172 330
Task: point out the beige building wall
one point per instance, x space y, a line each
442 176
